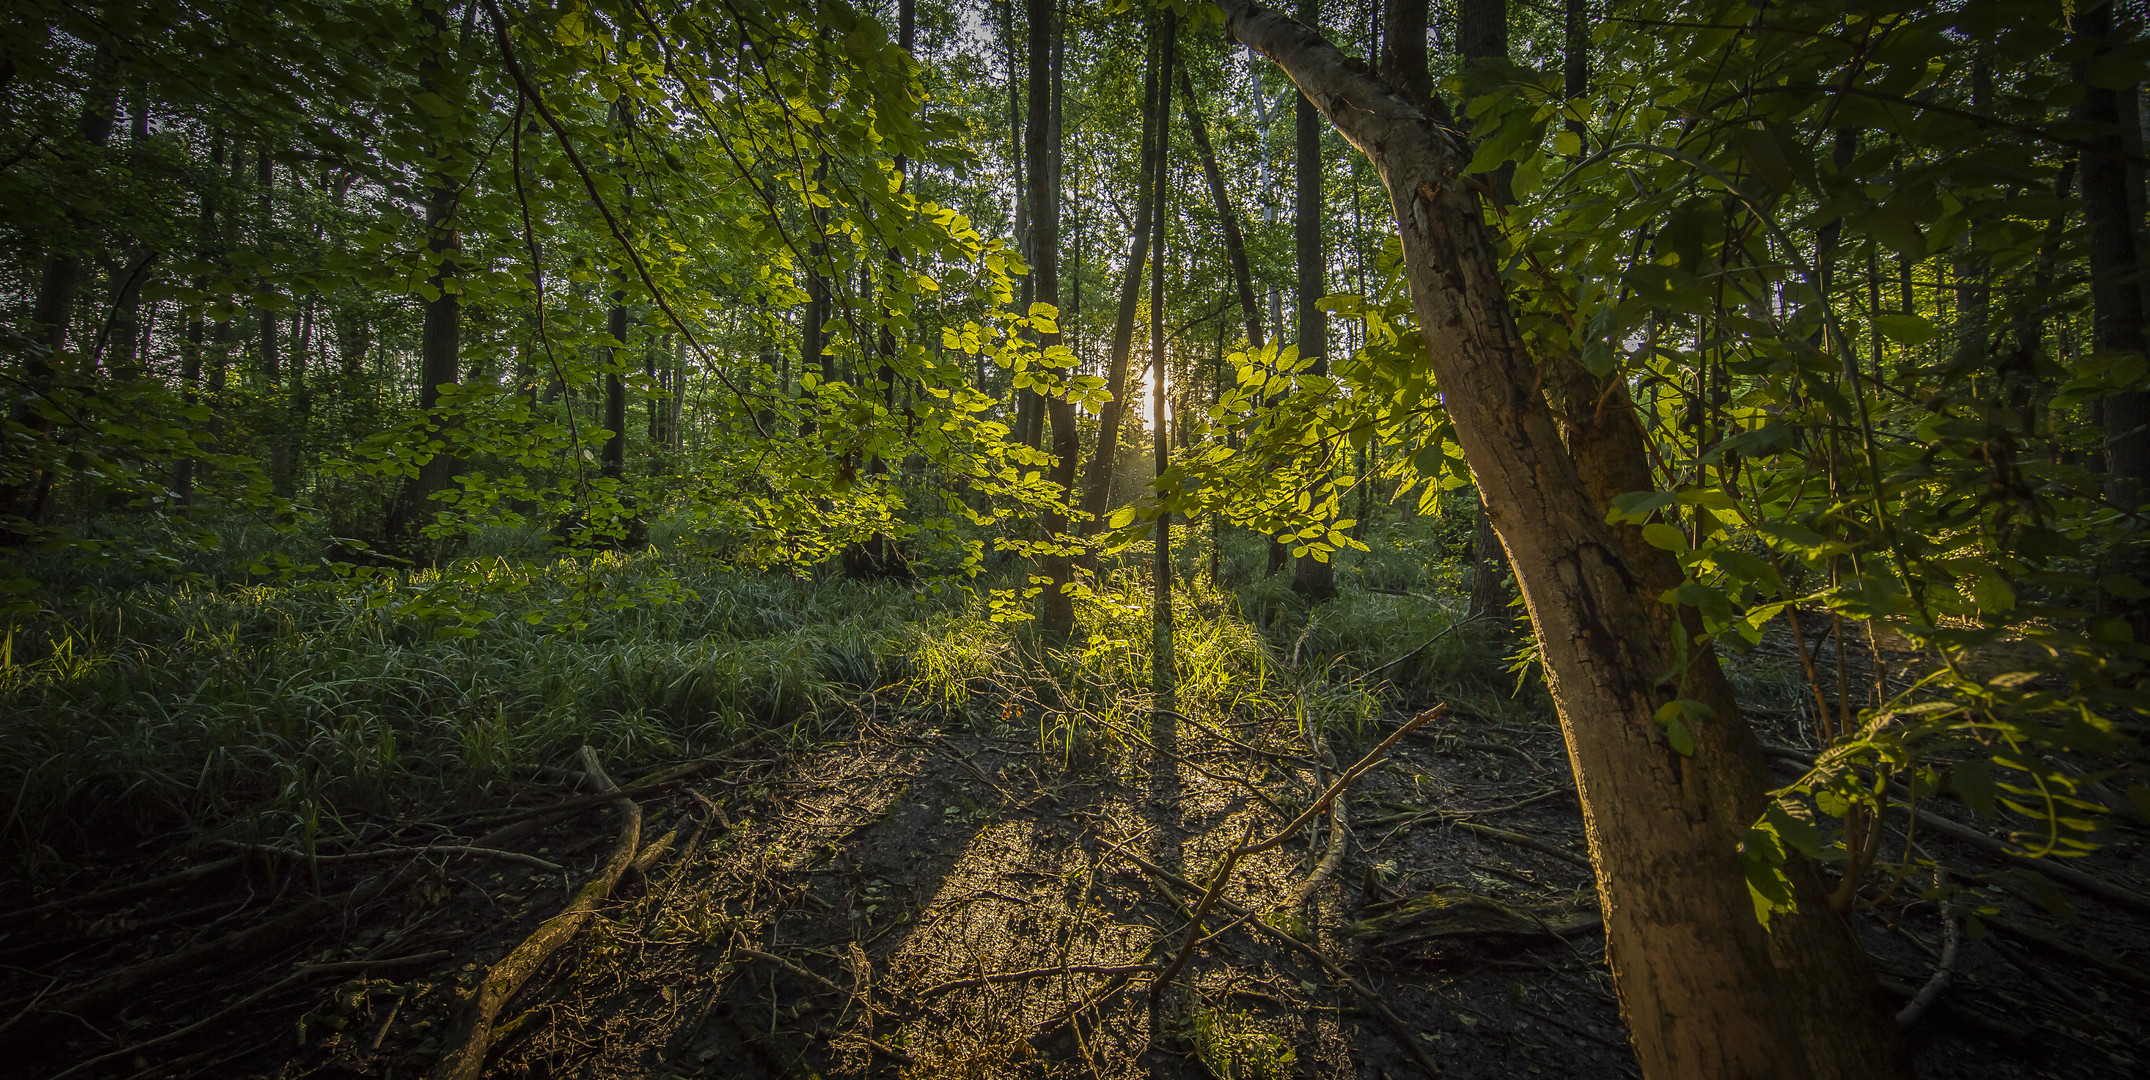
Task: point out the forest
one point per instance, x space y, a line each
1055 538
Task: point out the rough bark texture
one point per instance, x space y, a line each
1057 612
1697 982
1097 492
1403 48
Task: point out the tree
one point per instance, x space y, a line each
1313 578
1665 821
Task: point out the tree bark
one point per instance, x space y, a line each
1097 491
1697 982
1312 578
1057 611
1235 243
2115 258
1163 681
440 341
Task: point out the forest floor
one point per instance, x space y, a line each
918 902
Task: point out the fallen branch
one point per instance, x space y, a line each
772 958
2105 962
122 893
293 979
1350 776
2051 867
1035 973
1516 839
1944 971
465 850
475 1024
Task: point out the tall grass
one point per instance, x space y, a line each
143 708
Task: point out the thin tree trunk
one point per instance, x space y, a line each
1403 48
1312 578
1163 681
1235 244
1097 491
1697 980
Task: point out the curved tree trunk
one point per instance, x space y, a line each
1235 243
1697 981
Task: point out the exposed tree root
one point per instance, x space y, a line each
473 1029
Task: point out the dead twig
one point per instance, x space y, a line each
121 893
1201 910
475 1024
1035 973
1944 971
1347 779
465 850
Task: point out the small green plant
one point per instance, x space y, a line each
1231 1049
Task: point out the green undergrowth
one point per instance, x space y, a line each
141 710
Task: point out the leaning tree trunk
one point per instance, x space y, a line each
1097 491
1697 982
1312 578
1235 244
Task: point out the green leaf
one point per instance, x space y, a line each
1658 534
1972 781
1904 329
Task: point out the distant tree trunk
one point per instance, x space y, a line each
2115 256
1575 66
1312 578
1057 612
813 354
440 342
1097 492
1403 48
613 459
1235 244
1705 989
52 309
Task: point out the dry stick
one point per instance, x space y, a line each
1339 824
2105 962
293 979
2055 868
1381 1009
1350 775
390 853
1201 911
122 893
583 802
772 958
654 851
1522 841
478 1012
2051 867
1944 972
1036 973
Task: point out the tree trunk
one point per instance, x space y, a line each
1097 491
1403 48
1057 612
1163 681
1697 982
52 309
440 342
1312 578
1235 244
2115 258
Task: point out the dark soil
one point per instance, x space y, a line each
815 907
